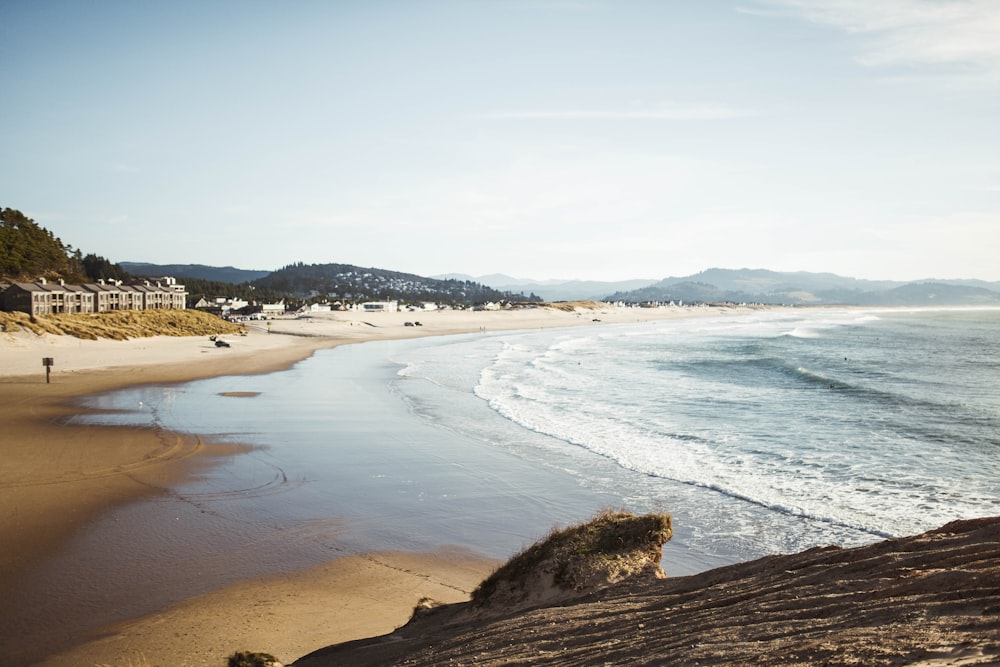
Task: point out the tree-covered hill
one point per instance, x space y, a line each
188 272
28 252
352 283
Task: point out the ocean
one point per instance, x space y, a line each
765 433
761 433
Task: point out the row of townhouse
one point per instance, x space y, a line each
45 298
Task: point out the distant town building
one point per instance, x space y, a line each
272 309
319 308
378 307
45 298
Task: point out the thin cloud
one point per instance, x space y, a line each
912 32
667 112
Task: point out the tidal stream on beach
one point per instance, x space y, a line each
770 432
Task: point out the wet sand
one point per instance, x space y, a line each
56 479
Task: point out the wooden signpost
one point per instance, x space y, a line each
47 362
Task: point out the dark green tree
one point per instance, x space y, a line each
29 251
96 268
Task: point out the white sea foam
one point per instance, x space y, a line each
694 407
802 332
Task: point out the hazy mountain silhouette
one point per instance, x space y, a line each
804 288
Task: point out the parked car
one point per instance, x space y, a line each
221 343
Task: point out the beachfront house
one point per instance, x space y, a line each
45 298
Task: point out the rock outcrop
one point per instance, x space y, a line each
929 599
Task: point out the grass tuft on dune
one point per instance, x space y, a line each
575 306
610 547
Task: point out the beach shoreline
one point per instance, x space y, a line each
57 478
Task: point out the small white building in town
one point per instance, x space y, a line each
228 304
273 309
319 308
378 307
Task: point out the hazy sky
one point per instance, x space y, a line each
600 139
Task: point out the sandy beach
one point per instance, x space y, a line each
56 478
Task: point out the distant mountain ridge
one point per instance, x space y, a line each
712 285
804 288
30 252
222 274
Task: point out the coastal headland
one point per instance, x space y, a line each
930 600
57 477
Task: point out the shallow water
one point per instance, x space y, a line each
330 462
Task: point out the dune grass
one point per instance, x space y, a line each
121 324
574 306
610 541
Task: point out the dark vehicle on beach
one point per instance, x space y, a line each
221 343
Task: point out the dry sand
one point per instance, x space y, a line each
286 615
55 477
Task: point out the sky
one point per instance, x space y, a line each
545 139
